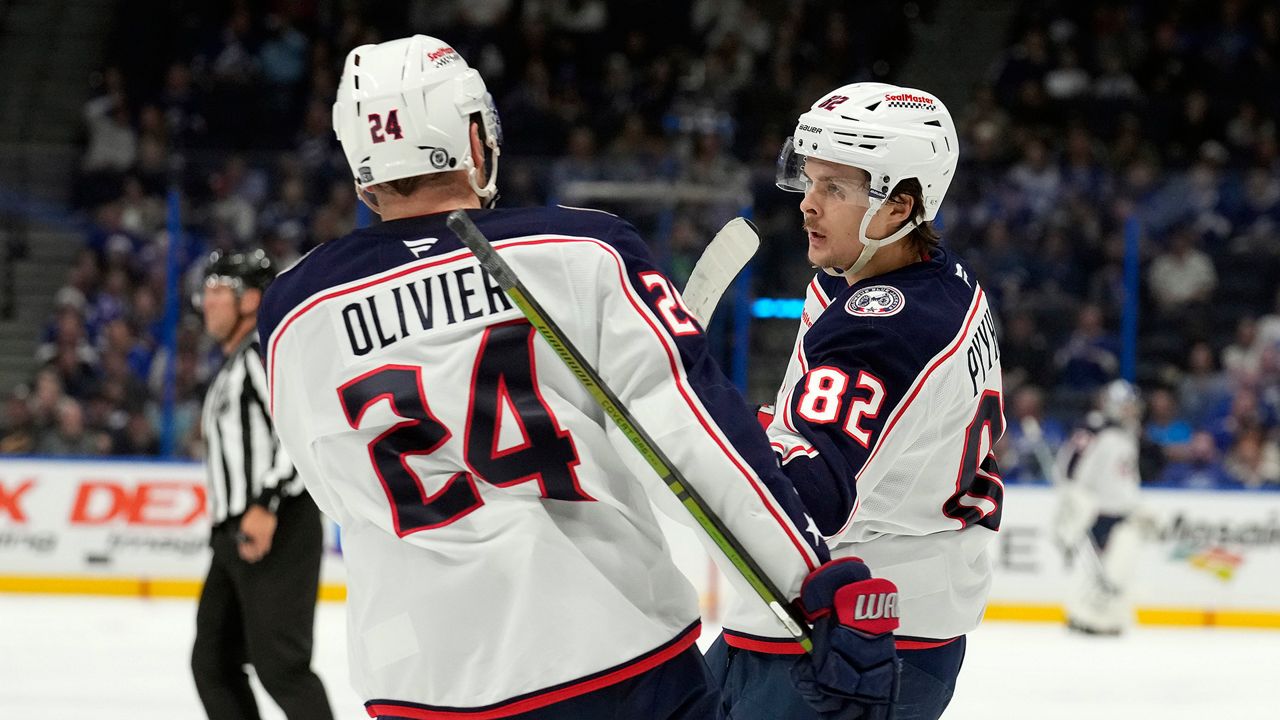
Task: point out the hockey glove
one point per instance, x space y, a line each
853 670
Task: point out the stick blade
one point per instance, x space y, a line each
727 253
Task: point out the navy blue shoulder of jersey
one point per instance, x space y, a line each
386 246
913 312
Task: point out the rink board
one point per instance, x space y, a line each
139 528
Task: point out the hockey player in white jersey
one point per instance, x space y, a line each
1098 519
891 403
503 560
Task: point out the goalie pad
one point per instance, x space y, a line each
1076 513
1120 559
1103 604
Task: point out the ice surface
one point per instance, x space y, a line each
66 658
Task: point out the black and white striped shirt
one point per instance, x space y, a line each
244 461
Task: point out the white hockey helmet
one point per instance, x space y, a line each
1120 402
404 108
893 133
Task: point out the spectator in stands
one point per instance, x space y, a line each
1090 356
141 215
1243 357
1256 219
580 161
1068 80
46 395
1166 427
1246 415
232 71
113 143
109 233
1025 356
182 107
283 59
1201 468
112 301
1182 280
76 374
232 210
1028 432
1002 260
1036 178
118 339
137 437
1083 176
290 214
1203 392
18 427
70 436
68 331
1254 459
115 370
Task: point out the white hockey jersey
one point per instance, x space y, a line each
1102 460
885 421
501 549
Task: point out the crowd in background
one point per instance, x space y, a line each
1096 113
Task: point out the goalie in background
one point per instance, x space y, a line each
1097 521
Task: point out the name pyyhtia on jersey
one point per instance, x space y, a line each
886 422
499 547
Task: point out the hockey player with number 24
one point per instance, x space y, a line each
503 559
890 407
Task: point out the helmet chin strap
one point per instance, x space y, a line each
869 245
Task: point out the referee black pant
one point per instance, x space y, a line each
263 614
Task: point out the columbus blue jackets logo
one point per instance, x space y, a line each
876 301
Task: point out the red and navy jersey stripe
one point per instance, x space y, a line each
544 697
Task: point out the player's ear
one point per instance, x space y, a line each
477 155
368 198
250 301
902 208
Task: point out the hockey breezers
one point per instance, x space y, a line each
643 442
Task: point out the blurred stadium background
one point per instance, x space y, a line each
1118 194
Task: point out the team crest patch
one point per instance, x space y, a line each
876 301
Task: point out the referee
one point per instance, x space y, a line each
258 603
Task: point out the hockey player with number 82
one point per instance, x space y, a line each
891 404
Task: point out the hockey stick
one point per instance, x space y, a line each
466 230
1086 545
727 253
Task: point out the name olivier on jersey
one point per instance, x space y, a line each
389 314
983 351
